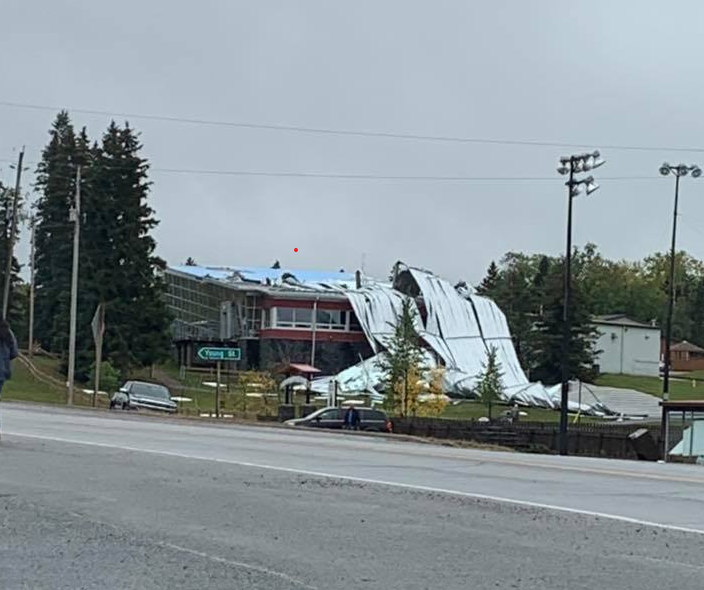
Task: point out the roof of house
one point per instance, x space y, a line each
620 319
301 368
685 346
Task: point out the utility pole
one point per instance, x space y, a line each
76 218
30 345
11 238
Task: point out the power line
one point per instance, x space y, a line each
352 132
351 176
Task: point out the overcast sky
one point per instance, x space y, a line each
600 73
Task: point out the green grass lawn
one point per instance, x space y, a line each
23 386
680 388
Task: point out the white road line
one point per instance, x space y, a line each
407 486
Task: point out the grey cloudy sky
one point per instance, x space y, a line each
614 72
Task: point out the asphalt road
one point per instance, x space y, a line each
89 501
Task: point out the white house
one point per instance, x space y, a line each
627 346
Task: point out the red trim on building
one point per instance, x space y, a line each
320 335
270 302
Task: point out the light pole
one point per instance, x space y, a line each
679 171
572 165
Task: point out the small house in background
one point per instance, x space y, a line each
627 346
685 356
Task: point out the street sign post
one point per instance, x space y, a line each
98 327
219 353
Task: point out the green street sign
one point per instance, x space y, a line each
211 353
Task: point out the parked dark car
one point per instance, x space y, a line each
370 419
134 395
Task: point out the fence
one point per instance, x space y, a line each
598 440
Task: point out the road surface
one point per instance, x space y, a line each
90 500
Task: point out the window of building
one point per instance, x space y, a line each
326 319
330 319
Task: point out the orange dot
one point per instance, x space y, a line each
295 249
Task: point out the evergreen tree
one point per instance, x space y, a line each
402 361
190 262
696 334
490 282
16 313
56 174
490 388
548 351
276 264
137 319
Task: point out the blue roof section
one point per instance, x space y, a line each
260 274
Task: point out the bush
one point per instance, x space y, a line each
110 377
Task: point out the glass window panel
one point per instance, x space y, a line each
284 315
303 317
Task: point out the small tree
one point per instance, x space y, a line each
110 377
276 264
490 387
406 391
402 363
490 282
190 262
436 403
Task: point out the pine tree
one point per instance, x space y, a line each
276 264
137 319
16 313
56 183
550 333
490 388
402 361
490 282
190 262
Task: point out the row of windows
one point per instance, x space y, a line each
325 319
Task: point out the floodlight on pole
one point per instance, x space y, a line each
572 165
679 171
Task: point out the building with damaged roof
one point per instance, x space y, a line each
273 315
340 321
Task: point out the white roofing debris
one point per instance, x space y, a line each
457 329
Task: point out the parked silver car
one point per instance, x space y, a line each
139 394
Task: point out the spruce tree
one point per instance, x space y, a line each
16 313
402 360
490 282
490 388
129 281
54 232
549 337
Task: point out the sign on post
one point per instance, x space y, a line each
98 327
218 353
